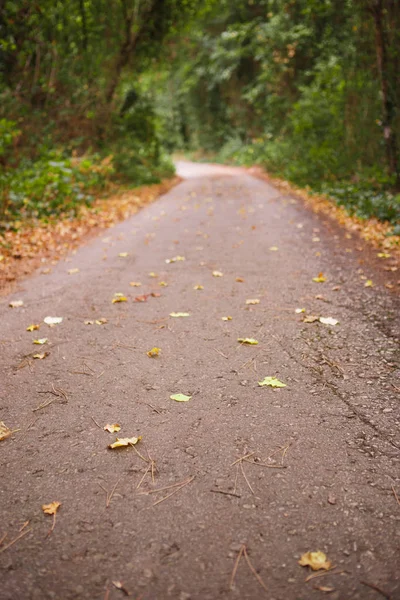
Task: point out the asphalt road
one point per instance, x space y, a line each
188 517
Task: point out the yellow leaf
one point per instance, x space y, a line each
135 283
52 508
315 560
123 254
198 287
41 341
73 271
328 321
114 428
122 442
249 341
41 356
16 303
153 352
51 321
383 255
369 283
274 248
226 318
174 259
152 274
5 432
118 297
239 279
272 382
310 319
163 283
179 314
300 310
32 327
180 397
89 322
253 301
320 279
217 274
101 321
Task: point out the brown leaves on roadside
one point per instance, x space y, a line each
310 319
239 280
315 560
253 301
40 341
5 431
33 327
135 283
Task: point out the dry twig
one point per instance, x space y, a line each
14 540
395 495
377 589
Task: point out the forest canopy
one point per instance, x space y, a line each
93 90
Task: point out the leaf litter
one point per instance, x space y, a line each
153 352
52 321
316 560
114 428
125 442
180 397
248 341
272 382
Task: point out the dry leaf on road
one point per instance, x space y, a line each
272 382
40 341
122 442
217 274
328 321
248 341
51 321
179 314
253 301
180 397
315 560
32 327
41 356
5 431
320 279
119 297
153 352
52 508
16 303
114 428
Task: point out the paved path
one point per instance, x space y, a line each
322 453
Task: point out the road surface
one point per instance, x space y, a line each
225 492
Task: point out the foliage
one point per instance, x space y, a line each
309 89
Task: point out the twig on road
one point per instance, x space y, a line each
109 495
243 552
14 540
226 493
395 495
96 423
377 589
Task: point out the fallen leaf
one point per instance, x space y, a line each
32 327
51 321
119 297
135 283
217 274
123 254
198 287
310 319
41 341
226 318
331 499
142 298
249 341
153 352
274 248
163 283
155 295
5 432
369 283
16 303
300 310
179 314
315 560
239 279
152 274
253 301
180 397
272 382
89 322
122 442
114 428
73 271
41 356
101 321
316 239
52 508
118 584
320 279
383 255
324 588
174 259
328 321
389 286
